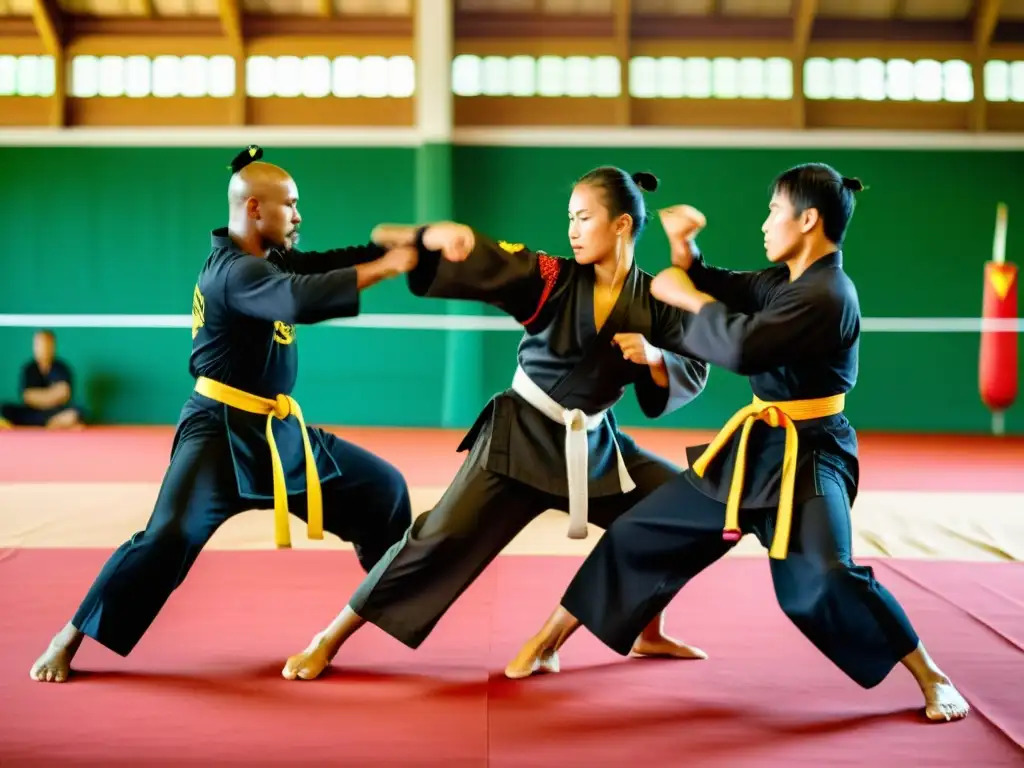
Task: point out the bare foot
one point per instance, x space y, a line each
533 660
54 666
943 702
665 647
309 664
540 654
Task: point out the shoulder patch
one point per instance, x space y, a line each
549 268
511 247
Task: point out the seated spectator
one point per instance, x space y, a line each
46 390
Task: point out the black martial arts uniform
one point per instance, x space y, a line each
796 341
516 468
33 377
245 310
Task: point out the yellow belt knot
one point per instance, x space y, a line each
775 414
280 407
283 407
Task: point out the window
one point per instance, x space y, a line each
162 76
870 79
551 76
894 80
27 76
672 77
1004 80
317 77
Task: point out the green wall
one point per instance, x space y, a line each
108 231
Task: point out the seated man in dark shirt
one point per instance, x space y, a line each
45 390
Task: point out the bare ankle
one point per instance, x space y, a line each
561 627
346 624
68 639
923 668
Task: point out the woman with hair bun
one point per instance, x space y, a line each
550 441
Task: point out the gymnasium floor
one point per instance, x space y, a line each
941 520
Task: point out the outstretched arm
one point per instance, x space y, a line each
744 291
318 262
458 262
805 323
257 288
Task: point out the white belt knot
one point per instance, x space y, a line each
577 450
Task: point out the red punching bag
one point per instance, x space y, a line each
997 370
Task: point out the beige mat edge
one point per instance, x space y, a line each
906 524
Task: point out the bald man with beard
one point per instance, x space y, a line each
241 441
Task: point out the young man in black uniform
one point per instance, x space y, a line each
794 330
241 438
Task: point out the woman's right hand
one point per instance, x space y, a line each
454 241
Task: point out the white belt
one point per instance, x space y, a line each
577 450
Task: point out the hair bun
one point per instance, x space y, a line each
250 154
853 184
648 182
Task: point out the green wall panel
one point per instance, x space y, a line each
124 231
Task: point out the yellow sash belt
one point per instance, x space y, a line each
780 414
279 408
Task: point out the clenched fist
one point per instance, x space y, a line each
454 241
637 349
682 223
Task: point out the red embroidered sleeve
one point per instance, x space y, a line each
549 267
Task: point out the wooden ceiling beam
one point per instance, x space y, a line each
254 26
230 15
49 26
986 17
250 26
503 25
623 47
141 27
663 26
47 22
803 25
14 26
500 27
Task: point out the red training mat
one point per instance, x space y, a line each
204 685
